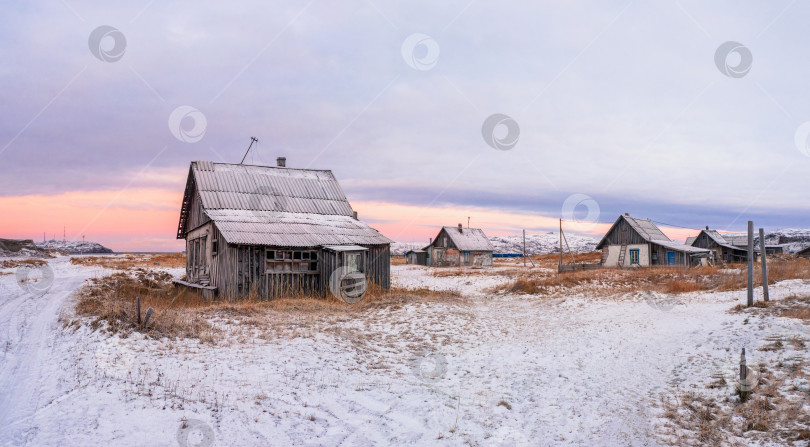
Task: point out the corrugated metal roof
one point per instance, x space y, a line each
345 248
735 241
263 205
265 188
677 246
469 239
644 227
647 229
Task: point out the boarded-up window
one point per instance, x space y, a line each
292 261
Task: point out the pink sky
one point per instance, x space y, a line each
146 219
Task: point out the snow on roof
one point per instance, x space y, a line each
469 239
677 246
266 188
345 248
264 205
728 240
647 229
644 227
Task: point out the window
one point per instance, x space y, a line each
354 261
292 261
466 257
214 247
634 256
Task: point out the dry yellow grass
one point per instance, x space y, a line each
14 263
662 279
110 302
769 414
127 261
398 260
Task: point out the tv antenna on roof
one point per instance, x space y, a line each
252 140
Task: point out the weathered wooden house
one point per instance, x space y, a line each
460 247
416 257
725 247
269 231
804 253
632 242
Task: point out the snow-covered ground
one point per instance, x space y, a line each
73 247
501 370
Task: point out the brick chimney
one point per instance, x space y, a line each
281 162
460 228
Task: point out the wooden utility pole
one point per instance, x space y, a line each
252 140
560 242
524 248
763 264
750 263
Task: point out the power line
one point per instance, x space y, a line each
676 226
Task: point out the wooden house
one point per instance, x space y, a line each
725 247
460 247
632 242
269 231
416 257
804 253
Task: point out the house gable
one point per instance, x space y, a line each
623 232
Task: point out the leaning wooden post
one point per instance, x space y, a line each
524 248
138 308
560 241
763 264
750 263
743 377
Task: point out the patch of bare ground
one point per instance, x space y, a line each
776 411
791 307
14 263
778 407
109 303
659 279
132 261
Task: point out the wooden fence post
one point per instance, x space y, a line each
763 264
744 391
138 308
750 263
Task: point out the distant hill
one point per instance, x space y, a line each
536 244
796 239
18 247
74 247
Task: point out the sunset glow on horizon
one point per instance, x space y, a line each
146 219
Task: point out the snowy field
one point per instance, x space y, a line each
495 370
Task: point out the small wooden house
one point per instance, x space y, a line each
725 247
460 247
804 253
269 231
416 257
633 242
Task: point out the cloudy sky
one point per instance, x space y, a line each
617 106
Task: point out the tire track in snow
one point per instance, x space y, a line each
30 320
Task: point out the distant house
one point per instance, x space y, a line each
267 231
804 253
634 242
460 247
725 247
731 247
416 257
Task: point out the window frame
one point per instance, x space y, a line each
637 252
